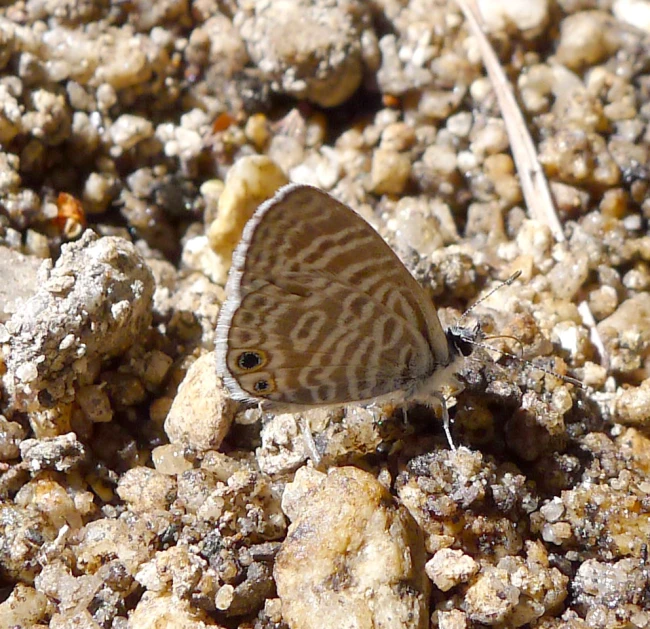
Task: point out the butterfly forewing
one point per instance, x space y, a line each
320 310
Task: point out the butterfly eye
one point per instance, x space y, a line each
248 361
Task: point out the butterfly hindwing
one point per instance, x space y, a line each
310 352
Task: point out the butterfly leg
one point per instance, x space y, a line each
446 421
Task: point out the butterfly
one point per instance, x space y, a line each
321 312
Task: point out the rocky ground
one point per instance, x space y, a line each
136 139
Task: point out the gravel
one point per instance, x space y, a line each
137 138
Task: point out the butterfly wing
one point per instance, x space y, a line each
320 310
287 344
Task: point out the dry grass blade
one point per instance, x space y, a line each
533 182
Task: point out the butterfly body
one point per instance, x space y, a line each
320 312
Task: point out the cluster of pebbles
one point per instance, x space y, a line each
136 138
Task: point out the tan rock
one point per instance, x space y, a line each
201 414
250 181
352 558
145 489
155 611
447 568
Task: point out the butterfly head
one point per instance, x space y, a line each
463 340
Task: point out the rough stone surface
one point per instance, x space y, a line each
328 572
323 60
200 415
90 306
19 282
161 126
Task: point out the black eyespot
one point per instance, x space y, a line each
249 360
261 386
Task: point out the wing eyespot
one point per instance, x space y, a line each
264 386
251 360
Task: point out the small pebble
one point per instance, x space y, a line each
249 182
144 489
521 14
390 171
447 568
201 414
586 38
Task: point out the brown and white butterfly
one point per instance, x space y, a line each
320 312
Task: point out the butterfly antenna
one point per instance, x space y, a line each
471 338
530 363
512 338
507 282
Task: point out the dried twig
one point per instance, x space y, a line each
533 181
